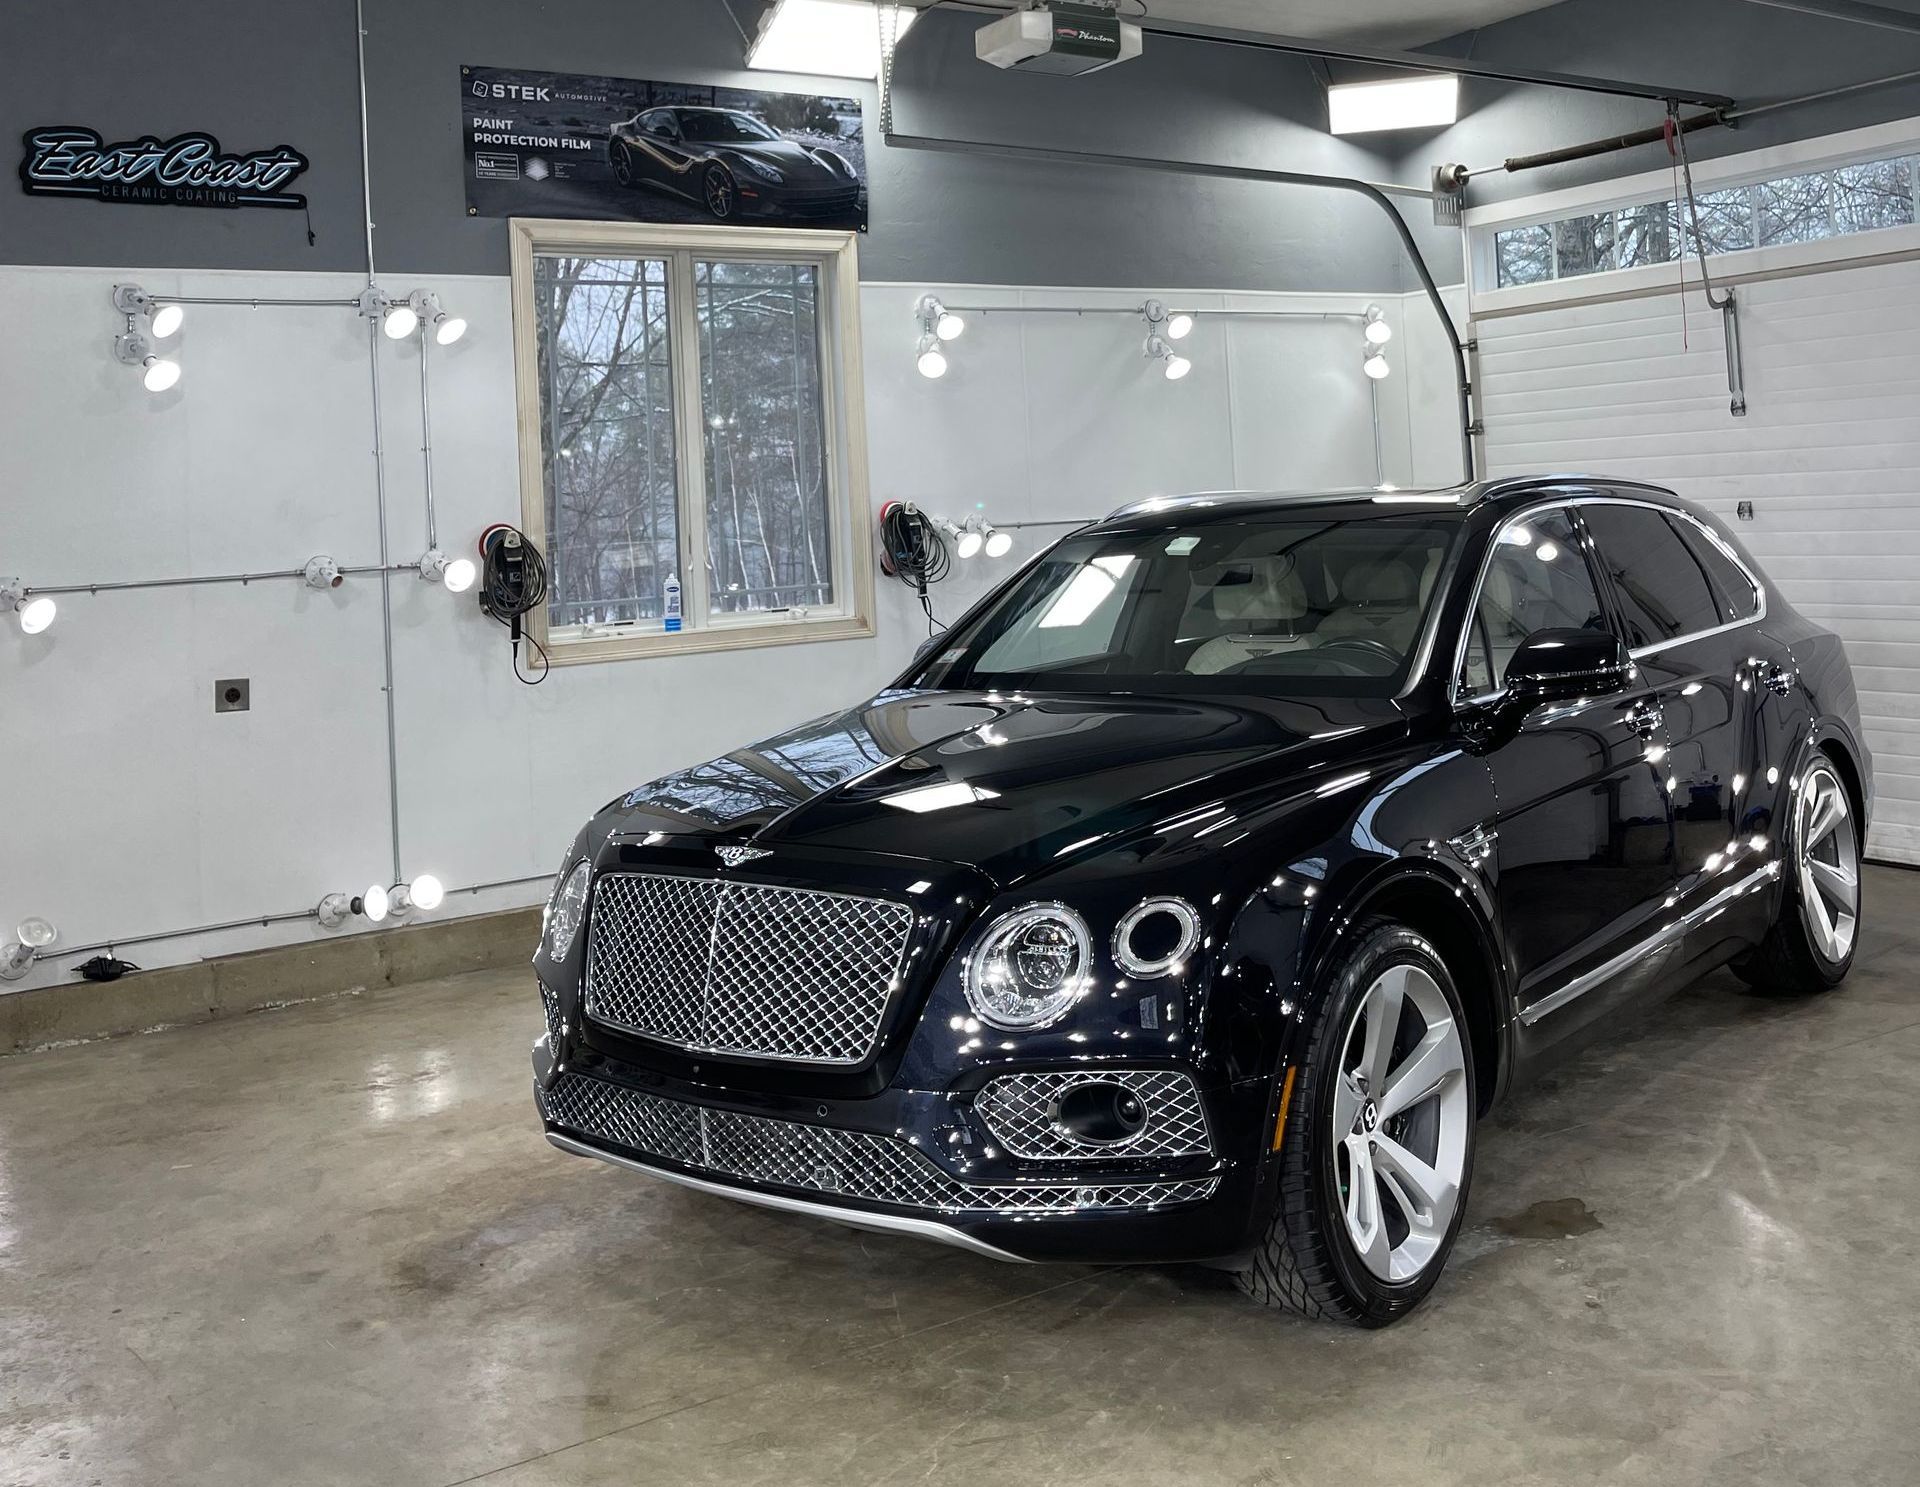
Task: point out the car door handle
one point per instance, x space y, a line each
1777 680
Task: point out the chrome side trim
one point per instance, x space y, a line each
1638 652
879 1223
1659 940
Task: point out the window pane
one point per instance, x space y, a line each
1536 580
1524 255
1646 234
1797 209
1584 245
1738 599
607 445
1876 195
1726 221
769 524
1662 588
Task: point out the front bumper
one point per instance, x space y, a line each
870 1163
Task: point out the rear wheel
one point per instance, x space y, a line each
1377 1150
1811 945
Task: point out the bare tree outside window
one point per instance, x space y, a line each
1524 256
1584 245
608 455
769 527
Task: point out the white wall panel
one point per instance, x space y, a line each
131 808
1829 454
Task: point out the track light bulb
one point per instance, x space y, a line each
36 611
376 903
424 893
937 320
972 539
1378 331
999 543
929 358
425 305
18 954
1375 366
1179 326
1174 366
457 574
165 320
400 321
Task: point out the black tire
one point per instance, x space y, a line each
1790 961
718 191
622 159
1306 1262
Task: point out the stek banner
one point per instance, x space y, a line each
546 144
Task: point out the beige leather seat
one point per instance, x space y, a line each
1381 602
1260 616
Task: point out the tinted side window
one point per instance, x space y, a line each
1663 590
1738 598
1537 579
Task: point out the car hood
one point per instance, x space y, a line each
785 154
1011 784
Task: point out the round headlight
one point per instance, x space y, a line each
568 911
1030 967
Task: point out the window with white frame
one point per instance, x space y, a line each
690 428
1803 208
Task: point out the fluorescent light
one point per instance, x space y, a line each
939 797
833 38
1418 498
1404 103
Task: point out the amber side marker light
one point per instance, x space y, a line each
1286 1099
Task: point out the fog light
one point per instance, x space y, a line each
1099 1114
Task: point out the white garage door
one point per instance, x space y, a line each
1829 455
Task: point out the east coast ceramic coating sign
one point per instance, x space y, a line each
188 170
548 144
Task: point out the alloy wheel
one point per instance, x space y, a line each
1829 864
1400 1123
623 165
719 193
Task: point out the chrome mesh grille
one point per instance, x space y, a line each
550 1006
818 1159
1018 1110
714 966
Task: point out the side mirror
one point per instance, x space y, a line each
1552 665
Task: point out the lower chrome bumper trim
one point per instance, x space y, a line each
882 1223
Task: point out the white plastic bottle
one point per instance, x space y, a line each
672 604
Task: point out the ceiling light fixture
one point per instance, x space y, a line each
163 319
1175 325
376 903
1427 102
399 320
158 372
1378 331
1375 362
444 328
457 574
929 358
936 319
19 953
36 611
994 542
832 38
1174 366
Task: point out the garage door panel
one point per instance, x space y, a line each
1829 456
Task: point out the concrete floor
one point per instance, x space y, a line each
328 1245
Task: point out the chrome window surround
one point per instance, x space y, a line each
824 1159
1021 1111
1638 652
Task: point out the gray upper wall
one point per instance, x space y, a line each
1752 53
221 65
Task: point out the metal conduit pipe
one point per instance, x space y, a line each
124 585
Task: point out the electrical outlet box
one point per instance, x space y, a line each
233 695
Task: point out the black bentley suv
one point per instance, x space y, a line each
1190 897
732 164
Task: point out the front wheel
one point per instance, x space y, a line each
1376 1151
623 170
1810 947
722 196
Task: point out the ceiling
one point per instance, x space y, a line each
1388 23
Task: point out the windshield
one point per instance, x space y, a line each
1331 603
720 128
